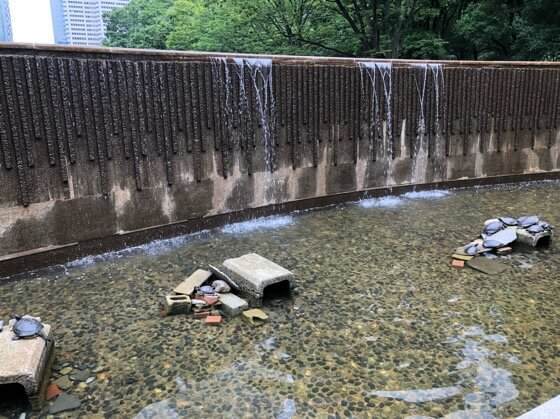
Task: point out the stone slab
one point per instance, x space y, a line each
198 277
253 273
23 360
232 305
548 410
487 266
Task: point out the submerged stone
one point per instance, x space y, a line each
420 396
63 403
487 266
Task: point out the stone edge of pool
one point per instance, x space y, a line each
49 256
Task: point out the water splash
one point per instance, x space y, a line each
260 73
435 194
264 223
382 202
376 79
152 248
424 74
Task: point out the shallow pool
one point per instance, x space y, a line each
379 325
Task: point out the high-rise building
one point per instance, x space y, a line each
80 22
5 22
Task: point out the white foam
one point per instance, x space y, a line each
382 202
258 224
427 194
155 247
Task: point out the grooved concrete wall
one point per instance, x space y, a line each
99 142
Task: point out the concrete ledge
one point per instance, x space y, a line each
41 258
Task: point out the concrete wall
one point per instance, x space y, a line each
96 144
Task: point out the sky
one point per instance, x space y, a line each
32 21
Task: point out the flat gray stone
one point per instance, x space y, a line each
253 273
487 266
23 360
199 277
80 375
548 410
63 403
63 382
232 305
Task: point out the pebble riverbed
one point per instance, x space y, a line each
379 325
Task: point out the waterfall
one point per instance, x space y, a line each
421 145
260 74
376 80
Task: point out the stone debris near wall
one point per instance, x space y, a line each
498 237
228 290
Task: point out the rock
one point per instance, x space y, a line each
66 370
253 273
502 238
63 403
487 266
199 277
223 276
255 316
232 305
90 380
206 289
80 375
502 251
221 286
176 304
53 391
63 382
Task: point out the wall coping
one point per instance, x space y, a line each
34 48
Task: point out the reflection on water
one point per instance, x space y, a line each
379 324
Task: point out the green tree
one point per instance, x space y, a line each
140 24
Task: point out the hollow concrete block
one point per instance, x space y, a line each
23 361
253 273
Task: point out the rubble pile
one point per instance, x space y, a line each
212 294
497 237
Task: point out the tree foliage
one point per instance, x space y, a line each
445 29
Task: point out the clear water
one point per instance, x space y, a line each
379 325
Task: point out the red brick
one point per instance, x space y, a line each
211 299
53 391
201 314
213 319
456 263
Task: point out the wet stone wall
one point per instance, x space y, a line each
100 143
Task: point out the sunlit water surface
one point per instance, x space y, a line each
379 325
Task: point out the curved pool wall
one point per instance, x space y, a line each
105 148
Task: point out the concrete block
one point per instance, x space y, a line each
199 277
534 240
176 304
23 360
253 273
232 305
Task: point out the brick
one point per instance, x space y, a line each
53 391
199 277
176 304
201 314
232 305
211 299
456 263
213 320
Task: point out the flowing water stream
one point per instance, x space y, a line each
379 325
